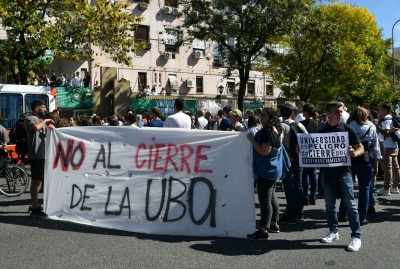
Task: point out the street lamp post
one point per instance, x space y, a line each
393 65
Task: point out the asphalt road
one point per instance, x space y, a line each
38 243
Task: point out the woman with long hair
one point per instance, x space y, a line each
267 138
360 168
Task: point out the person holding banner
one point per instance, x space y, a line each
36 129
338 181
266 140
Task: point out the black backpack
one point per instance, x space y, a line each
364 142
294 130
21 139
396 124
13 135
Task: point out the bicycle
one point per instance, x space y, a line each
14 179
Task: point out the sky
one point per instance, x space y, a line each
387 12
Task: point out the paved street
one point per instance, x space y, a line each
35 243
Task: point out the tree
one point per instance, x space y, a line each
67 28
243 29
336 52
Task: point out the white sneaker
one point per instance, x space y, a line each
383 192
329 237
394 190
355 244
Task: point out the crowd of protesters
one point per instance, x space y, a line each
268 130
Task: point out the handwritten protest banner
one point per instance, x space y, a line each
324 150
151 180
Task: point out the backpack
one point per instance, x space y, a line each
396 124
13 135
294 130
364 142
21 139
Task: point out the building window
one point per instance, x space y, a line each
171 40
199 84
199 48
250 87
142 81
142 34
218 60
269 90
231 86
173 82
171 3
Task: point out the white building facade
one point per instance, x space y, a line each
165 70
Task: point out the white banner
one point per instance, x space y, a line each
324 149
151 180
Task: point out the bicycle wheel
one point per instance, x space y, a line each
14 181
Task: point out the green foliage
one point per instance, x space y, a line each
243 29
70 28
336 53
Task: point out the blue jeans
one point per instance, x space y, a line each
372 191
310 180
340 186
292 183
364 174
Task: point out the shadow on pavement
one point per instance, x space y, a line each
237 247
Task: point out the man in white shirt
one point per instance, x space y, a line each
389 162
76 81
179 119
299 116
202 122
345 115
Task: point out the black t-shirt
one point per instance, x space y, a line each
311 125
270 137
236 128
343 127
86 81
353 139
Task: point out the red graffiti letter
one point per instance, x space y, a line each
170 156
66 157
200 157
158 157
185 157
137 156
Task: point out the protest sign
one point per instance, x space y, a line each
324 149
151 180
